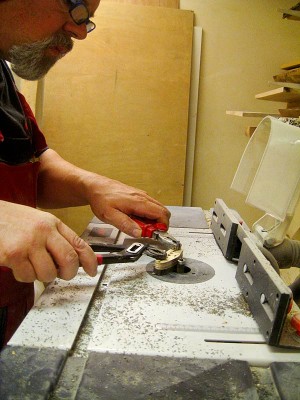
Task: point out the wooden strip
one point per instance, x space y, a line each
281 94
290 112
291 85
193 113
251 114
291 65
293 104
155 3
292 75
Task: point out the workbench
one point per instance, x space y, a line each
128 333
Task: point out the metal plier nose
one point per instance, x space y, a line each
157 231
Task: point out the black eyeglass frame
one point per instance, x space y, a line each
90 25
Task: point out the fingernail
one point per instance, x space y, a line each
137 233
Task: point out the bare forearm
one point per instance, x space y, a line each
60 183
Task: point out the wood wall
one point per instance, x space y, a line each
118 104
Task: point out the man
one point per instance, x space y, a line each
34 34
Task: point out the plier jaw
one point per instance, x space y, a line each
157 231
167 240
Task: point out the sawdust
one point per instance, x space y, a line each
212 301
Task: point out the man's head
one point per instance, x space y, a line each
35 34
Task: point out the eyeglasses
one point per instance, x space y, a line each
80 14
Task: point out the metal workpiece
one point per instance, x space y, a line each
186 271
173 259
155 252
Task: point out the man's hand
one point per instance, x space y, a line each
37 245
62 184
113 202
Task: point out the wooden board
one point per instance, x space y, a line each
251 114
118 104
193 117
281 95
292 75
291 65
291 85
156 3
290 112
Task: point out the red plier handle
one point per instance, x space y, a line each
149 226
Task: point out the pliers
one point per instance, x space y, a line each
165 257
157 231
117 254
165 260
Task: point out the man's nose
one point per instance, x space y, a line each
75 31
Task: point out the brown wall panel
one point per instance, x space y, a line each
118 104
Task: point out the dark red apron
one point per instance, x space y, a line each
18 185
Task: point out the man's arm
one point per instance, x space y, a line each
62 184
37 245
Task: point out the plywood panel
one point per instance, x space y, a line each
118 104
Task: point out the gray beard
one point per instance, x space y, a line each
29 61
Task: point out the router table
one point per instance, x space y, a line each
129 333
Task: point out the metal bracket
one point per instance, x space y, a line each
268 297
228 230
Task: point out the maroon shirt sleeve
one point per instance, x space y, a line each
38 137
